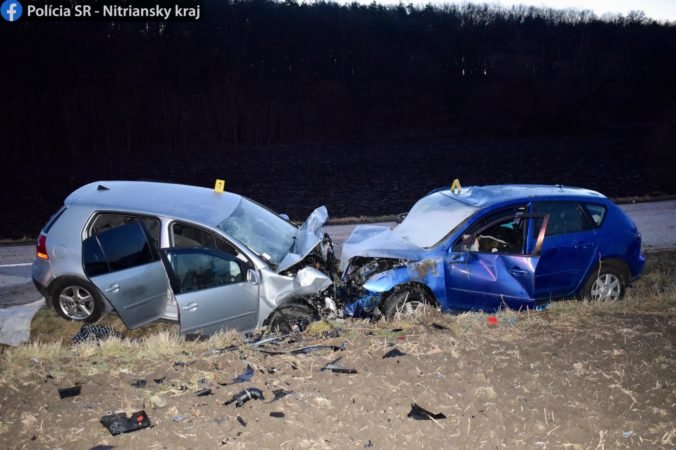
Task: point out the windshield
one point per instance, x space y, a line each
263 231
432 218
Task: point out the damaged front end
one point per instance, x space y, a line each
359 300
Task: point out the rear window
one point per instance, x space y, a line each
117 249
596 212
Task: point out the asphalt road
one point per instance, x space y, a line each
656 220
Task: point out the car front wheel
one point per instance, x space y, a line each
404 303
76 299
294 317
606 283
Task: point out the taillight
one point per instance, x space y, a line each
41 247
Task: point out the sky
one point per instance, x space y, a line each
655 9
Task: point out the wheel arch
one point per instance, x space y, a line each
414 285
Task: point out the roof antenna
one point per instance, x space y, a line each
102 188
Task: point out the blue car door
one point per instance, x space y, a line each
568 251
490 267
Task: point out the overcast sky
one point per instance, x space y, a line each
655 9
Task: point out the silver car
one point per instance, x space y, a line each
209 260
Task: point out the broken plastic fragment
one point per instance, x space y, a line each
280 393
241 421
70 392
394 353
335 368
420 413
241 378
277 414
139 383
119 422
439 326
246 395
203 392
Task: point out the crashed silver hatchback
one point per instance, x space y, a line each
207 259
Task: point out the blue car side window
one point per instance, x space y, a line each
564 217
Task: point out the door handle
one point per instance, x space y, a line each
458 258
190 307
114 288
518 272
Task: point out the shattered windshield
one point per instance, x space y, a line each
263 231
432 218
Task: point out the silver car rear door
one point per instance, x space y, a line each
127 269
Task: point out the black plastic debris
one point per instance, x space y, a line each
241 378
160 380
306 350
336 368
397 330
139 383
277 414
280 393
180 364
119 422
203 392
246 395
241 421
103 447
419 413
94 333
217 351
369 444
394 353
70 392
439 326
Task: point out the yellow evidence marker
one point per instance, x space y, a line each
455 187
219 187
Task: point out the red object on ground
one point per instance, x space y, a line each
492 321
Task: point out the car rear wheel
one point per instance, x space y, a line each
78 300
606 283
293 317
404 303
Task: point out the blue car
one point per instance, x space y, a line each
490 247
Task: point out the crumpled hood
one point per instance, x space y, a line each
377 241
308 236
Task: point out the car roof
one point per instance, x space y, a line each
482 196
181 201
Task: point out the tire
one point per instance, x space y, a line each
292 317
606 283
404 303
77 300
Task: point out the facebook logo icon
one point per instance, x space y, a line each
11 10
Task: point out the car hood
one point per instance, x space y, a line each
377 241
308 236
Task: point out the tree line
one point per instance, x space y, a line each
262 72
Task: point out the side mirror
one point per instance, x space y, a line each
252 276
284 216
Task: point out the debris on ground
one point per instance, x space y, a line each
241 378
95 333
394 353
119 422
336 368
70 392
246 395
419 413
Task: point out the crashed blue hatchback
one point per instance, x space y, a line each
491 247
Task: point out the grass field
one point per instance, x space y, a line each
579 375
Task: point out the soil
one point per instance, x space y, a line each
533 380
351 179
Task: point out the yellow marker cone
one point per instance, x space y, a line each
220 186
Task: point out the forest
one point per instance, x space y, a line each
260 72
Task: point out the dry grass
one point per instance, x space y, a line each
51 350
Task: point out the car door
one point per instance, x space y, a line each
568 251
126 267
489 267
212 289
